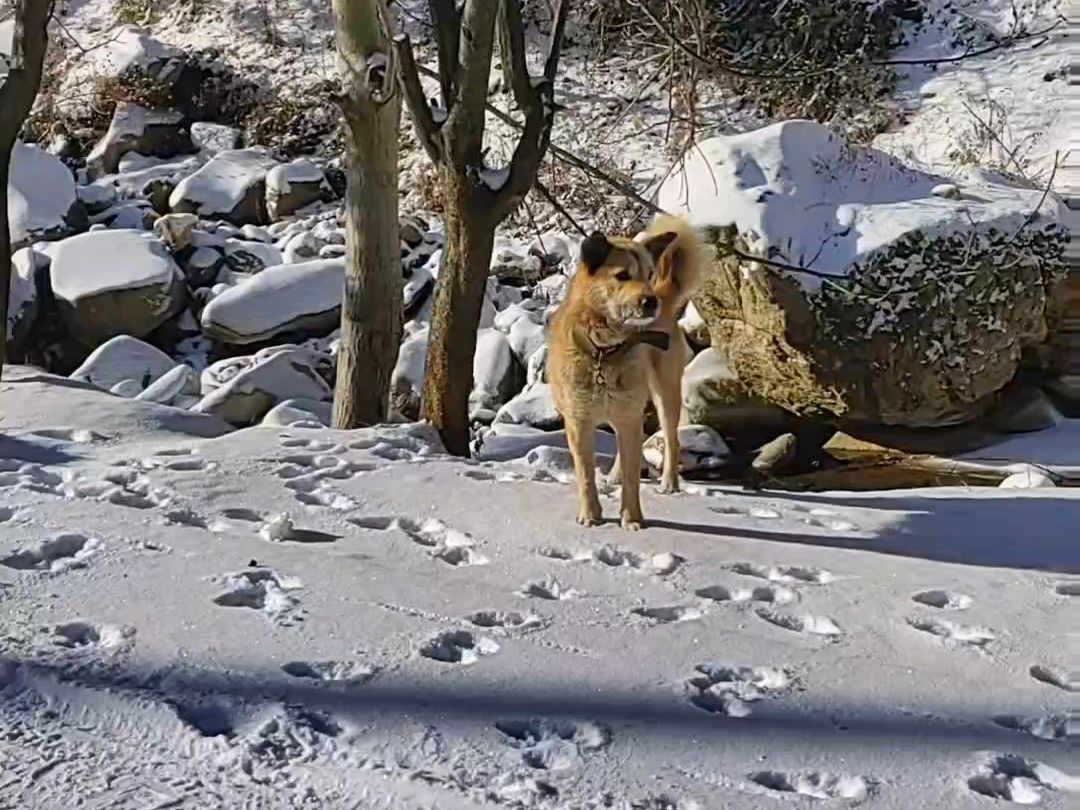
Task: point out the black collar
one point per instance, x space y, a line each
601 354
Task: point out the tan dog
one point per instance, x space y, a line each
614 341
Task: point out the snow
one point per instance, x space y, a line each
22 292
223 183
275 298
40 192
103 261
281 178
802 195
124 358
190 642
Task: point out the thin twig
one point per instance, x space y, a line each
550 198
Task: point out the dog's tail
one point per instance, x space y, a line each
679 271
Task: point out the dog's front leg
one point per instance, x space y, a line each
582 437
630 435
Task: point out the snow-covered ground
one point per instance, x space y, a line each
425 632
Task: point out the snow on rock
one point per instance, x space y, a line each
527 334
496 376
534 406
951 291
124 358
713 395
175 230
161 133
231 186
41 195
700 448
110 283
1028 478
247 397
407 379
213 138
507 442
180 381
292 186
308 413
23 305
302 297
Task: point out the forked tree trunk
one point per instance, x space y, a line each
371 308
17 94
459 297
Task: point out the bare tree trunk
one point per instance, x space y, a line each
453 136
459 297
17 94
371 309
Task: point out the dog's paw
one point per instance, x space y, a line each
589 521
669 487
632 523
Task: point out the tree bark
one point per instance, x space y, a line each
371 305
459 297
17 94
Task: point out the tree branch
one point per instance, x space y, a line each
427 128
447 24
558 27
465 135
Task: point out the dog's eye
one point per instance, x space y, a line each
622 275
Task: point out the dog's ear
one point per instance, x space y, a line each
656 245
594 251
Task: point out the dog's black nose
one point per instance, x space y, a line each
649 304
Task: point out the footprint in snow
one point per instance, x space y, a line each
280 529
21 475
458 647
774 594
565 554
70 435
801 622
84 635
331 673
967 635
550 589
1054 727
783 573
660 564
1055 676
814 784
943 600
668 614
263 590
728 689
209 719
504 620
554 745
57 553
1019 780
313 445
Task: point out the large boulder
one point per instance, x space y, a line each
916 306
292 186
110 283
231 186
286 299
249 396
123 359
161 133
713 395
41 195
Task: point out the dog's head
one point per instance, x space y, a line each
617 274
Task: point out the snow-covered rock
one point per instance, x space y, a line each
292 186
42 201
23 306
534 406
175 230
231 186
161 133
180 381
714 396
508 442
1028 478
700 448
307 413
212 138
407 379
284 299
527 334
496 375
926 304
124 358
247 397
110 283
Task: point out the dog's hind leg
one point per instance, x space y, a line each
630 435
582 439
667 397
